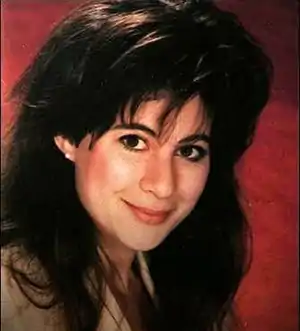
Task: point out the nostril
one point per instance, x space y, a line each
159 179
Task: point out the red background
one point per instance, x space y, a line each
267 299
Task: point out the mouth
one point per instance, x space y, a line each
148 216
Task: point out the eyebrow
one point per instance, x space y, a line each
137 126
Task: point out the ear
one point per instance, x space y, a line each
66 147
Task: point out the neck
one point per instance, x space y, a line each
118 263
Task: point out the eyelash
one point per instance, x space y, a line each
125 138
202 152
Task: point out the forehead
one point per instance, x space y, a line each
191 117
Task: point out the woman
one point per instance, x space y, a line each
120 208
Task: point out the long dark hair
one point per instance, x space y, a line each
100 57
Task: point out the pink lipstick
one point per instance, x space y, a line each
148 216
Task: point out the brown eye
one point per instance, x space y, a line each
133 142
192 153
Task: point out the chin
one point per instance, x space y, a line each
144 246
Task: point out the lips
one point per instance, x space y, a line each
148 216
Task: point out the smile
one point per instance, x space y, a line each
148 216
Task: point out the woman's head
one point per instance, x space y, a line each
139 182
179 68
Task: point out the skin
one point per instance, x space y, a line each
128 168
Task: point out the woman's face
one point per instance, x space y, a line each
138 186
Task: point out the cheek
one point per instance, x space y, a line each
193 184
120 171
105 171
88 176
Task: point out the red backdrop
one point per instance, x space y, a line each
267 299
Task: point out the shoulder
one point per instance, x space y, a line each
17 312
10 294
11 302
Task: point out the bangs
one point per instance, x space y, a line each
148 73
171 108
163 64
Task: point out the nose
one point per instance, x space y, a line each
159 177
